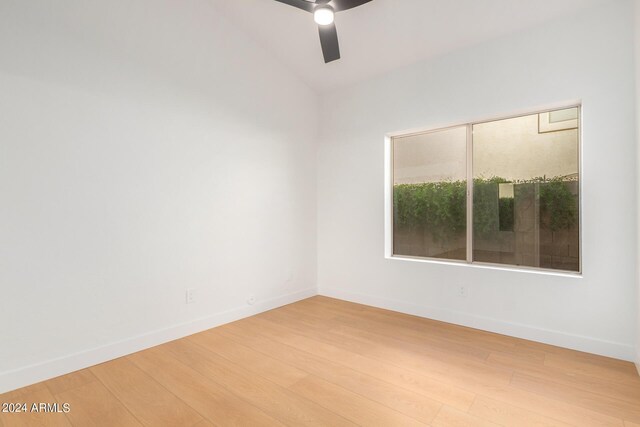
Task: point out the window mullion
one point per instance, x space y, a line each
469 193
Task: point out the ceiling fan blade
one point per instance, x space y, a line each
339 5
329 42
300 4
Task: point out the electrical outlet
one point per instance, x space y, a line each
190 296
251 300
463 291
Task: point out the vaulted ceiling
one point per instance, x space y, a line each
385 34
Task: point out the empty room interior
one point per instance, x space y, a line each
320 213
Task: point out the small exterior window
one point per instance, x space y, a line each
502 192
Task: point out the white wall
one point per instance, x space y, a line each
637 56
146 147
586 57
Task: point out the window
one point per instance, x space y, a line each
498 192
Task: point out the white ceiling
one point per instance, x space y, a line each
385 34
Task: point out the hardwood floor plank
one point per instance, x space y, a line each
210 399
406 355
586 399
495 389
273 399
436 344
148 401
402 400
73 380
415 336
486 340
395 348
550 407
514 361
440 391
93 405
451 417
272 369
595 367
351 406
604 386
508 415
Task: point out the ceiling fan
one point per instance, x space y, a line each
323 12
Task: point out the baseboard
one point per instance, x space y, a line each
11 380
557 338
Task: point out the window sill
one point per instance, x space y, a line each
486 266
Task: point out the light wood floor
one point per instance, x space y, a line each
326 362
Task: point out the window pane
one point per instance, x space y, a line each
429 194
525 206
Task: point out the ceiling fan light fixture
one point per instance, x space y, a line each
323 15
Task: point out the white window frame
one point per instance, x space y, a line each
388 193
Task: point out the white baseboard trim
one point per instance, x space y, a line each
557 338
21 377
